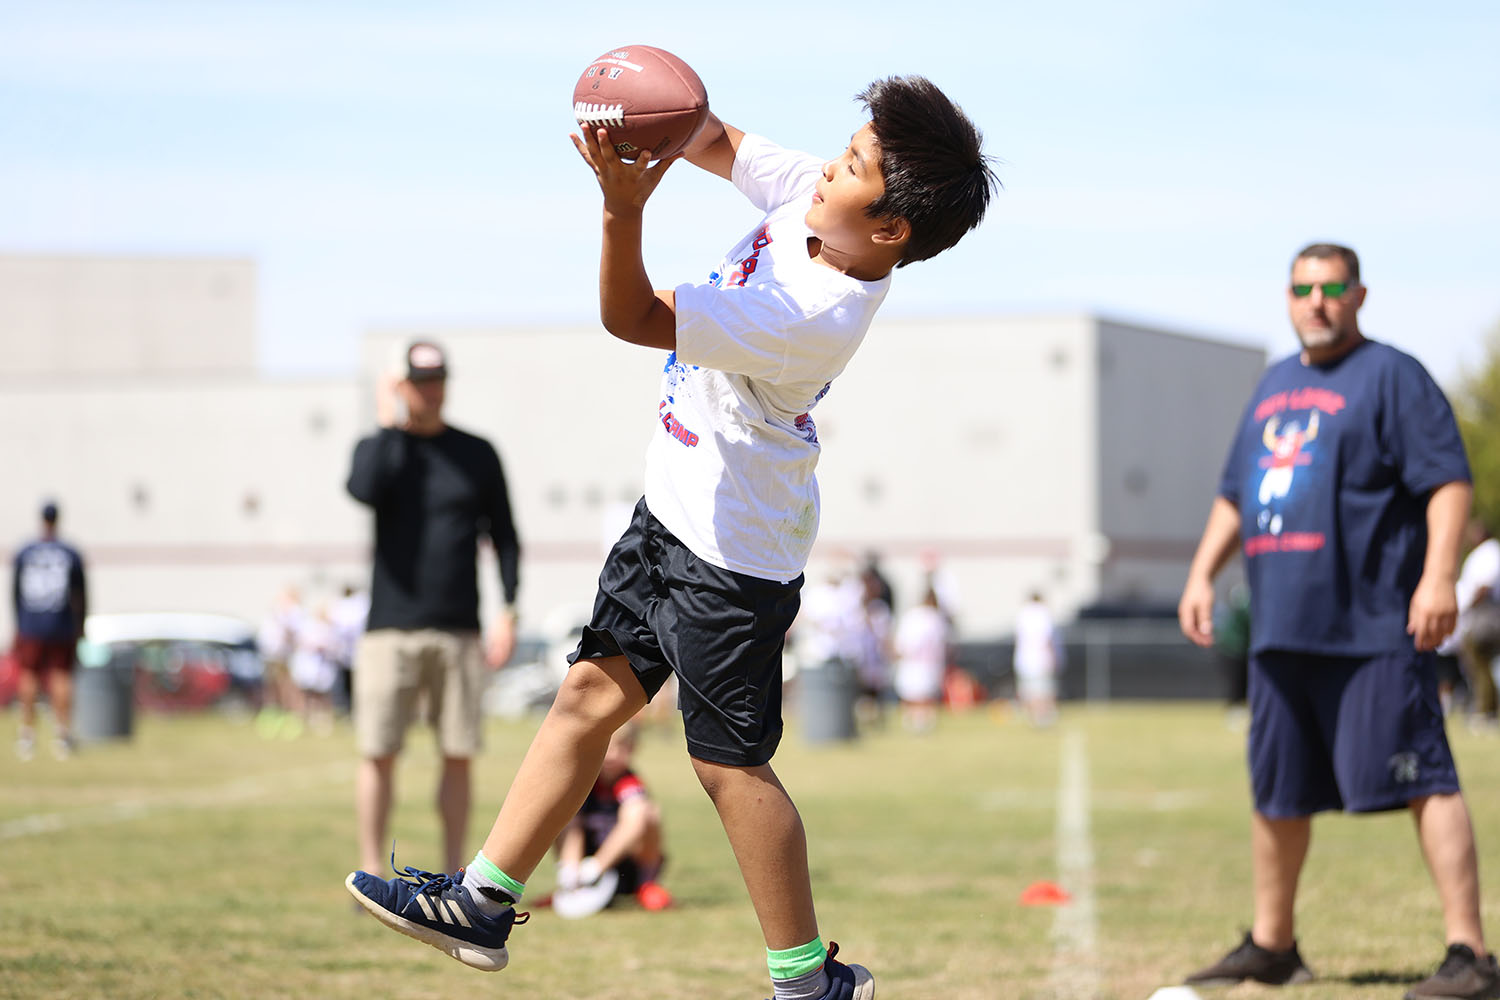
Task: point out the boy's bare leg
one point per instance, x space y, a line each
570 846
770 845
649 853
597 697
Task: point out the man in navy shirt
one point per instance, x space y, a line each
1346 489
51 600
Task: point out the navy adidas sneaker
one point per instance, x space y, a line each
438 910
847 982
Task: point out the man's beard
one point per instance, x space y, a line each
1321 338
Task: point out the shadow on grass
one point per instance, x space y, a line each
1382 977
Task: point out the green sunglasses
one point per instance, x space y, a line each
1331 289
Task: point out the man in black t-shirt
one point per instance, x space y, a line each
435 490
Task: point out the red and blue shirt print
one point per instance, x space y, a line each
1331 470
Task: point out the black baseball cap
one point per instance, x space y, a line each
49 511
425 361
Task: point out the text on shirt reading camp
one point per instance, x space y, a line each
674 427
747 266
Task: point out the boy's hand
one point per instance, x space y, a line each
626 183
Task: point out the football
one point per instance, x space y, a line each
647 99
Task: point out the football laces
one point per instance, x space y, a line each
589 113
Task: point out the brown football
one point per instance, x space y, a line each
646 98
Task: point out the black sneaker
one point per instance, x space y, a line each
1251 961
1460 976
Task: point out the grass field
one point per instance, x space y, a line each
199 860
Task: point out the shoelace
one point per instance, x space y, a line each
433 883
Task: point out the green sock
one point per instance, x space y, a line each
797 961
483 874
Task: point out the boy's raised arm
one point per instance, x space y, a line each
715 148
629 308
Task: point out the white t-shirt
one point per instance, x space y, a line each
921 653
729 471
312 666
1481 569
1036 641
829 622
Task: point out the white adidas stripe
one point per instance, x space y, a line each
446 910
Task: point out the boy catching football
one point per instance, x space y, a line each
704 583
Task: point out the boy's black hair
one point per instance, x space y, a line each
936 177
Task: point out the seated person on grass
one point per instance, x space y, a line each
616 835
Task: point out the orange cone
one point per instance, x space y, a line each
1044 893
653 896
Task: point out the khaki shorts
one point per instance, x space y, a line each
400 672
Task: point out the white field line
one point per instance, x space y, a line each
235 792
1168 801
1075 970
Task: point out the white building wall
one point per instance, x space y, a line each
570 410
1001 449
1168 404
963 442
126 315
187 495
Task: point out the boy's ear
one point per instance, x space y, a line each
894 231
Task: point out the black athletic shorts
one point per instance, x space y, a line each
721 632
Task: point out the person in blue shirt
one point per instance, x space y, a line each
1346 490
50 599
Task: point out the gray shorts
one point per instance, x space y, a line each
399 673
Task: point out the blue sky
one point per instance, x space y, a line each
405 163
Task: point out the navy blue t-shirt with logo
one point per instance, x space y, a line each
49 591
1331 472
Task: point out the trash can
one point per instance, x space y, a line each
827 693
103 693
